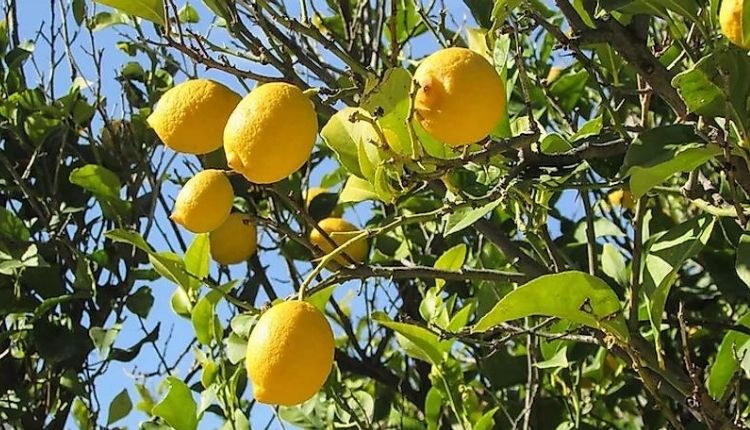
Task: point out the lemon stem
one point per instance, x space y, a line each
327 259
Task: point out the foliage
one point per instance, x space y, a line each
502 289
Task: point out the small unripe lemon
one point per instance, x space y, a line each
204 202
271 133
235 240
191 116
461 98
289 353
340 232
731 20
622 198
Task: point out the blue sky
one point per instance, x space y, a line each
121 376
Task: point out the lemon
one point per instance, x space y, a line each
191 116
732 22
340 232
622 198
289 353
271 133
204 202
234 241
461 98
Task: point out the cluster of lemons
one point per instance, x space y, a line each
267 136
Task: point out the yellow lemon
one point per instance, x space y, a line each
271 133
622 198
204 202
461 98
234 241
340 232
732 22
191 116
289 353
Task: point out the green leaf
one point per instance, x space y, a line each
553 143
743 259
97 179
197 260
592 127
188 14
140 302
356 190
81 414
700 94
613 264
180 302
342 135
666 256
408 22
178 408
602 228
146 402
560 359
320 298
152 10
79 11
661 152
569 88
13 231
487 421
575 296
461 318
466 217
130 237
502 10
103 339
726 364
205 321
451 260
120 407
420 343
236 348
170 265
388 94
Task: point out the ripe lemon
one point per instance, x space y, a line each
622 198
204 202
461 98
234 241
191 116
271 133
732 22
340 232
289 353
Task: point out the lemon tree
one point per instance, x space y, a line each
375 214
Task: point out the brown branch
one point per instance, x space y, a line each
633 50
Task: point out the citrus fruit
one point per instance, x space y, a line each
460 98
622 198
732 22
235 240
191 116
271 133
204 202
340 232
289 353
